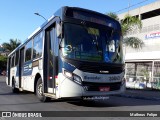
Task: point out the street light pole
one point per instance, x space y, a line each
40 16
129 1
129 5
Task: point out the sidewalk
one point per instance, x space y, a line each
142 94
2 78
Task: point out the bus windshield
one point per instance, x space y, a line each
90 43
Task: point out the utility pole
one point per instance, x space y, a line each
129 1
128 10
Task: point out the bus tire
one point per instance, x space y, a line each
14 89
39 91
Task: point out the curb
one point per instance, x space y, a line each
138 97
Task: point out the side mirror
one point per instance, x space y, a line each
68 48
58 30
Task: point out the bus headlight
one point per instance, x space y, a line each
73 77
77 79
68 74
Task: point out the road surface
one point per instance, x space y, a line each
27 101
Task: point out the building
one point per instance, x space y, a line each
144 64
3 52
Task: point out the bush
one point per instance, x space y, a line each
3 62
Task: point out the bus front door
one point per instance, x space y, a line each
50 60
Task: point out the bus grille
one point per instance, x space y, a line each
95 86
97 68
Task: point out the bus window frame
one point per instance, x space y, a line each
30 40
13 58
17 51
42 41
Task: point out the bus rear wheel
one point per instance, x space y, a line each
14 89
39 91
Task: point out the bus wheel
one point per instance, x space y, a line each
14 89
39 91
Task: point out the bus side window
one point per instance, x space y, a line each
28 51
17 58
12 59
37 46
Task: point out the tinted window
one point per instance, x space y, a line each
92 43
28 51
17 57
37 49
12 61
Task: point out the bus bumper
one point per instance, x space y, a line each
71 89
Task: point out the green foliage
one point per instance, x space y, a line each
128 24
133 42
113 15
11 45
3 62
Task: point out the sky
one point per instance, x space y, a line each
18 21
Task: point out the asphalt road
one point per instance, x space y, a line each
28 102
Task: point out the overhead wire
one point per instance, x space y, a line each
131 6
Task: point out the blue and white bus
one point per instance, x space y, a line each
77 53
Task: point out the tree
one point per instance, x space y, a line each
129 23
3 62
113 15
11 45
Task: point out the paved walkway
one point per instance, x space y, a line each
142 94
2 78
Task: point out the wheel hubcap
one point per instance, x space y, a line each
40 89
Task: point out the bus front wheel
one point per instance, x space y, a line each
39 91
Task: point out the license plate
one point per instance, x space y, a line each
104 89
